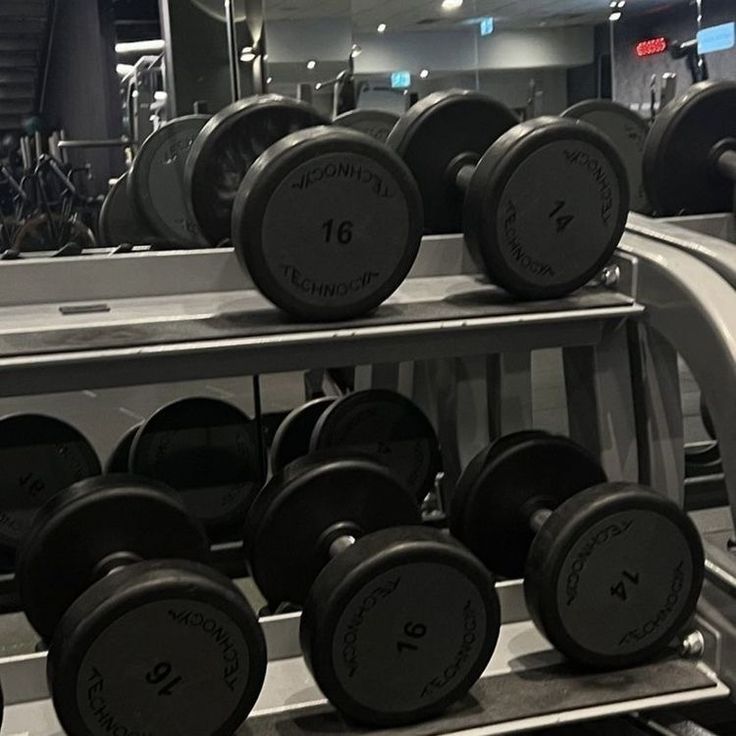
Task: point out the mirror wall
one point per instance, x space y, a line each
87 83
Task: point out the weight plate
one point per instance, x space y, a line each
207 450
387 427
546 207
499 491
165 648
119 222
119 461
288 523
292 438
628 132
679 172
375 123
227 147
399 626
614 574
328 223
156 181
40 456
91 521
436 133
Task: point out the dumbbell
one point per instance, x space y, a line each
375 123
207 450
155 183
119 460
690 155
119 222
612 571
39 456
628 132
378 423
143 637
398 620
543 204
326 220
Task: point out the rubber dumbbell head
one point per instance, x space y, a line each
207 450
690 155
543 204
41 456
398 621
143 636
612 571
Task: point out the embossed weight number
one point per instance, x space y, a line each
413 631
161 672
341 231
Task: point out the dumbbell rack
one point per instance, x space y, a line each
167 317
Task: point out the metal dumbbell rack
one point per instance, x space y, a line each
463 351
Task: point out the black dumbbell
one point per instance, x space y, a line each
207 450
398 620
378 423
119 221
119 460
326 220
144 637
155 183
543 204
690 155
612 571
40 456
628 132
294 433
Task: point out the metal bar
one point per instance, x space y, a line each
232 47
694 309
48 47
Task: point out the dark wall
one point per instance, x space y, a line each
585 82
82 93
676 23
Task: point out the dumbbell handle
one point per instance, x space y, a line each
112 563
464 175
340 544
726 163
537 519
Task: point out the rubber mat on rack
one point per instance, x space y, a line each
112 332
508 697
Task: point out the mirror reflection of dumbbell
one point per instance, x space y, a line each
326 220
378 423
690 156
543 204
207 450
612 571
143 637
398 620
39 456
628 132
375 123
148 204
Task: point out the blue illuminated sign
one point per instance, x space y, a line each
717 38
486 26
401 80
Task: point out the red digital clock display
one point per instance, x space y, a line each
651 47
